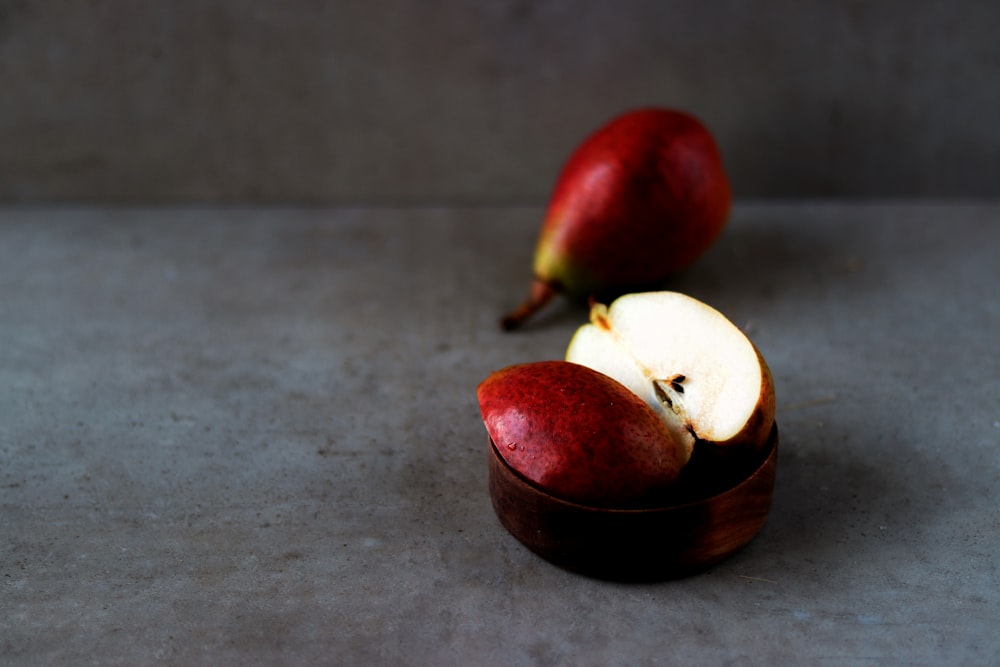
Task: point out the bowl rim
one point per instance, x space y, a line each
766 461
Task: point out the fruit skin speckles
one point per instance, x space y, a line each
578 434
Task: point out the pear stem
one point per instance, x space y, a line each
541 293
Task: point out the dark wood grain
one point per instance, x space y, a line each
679 539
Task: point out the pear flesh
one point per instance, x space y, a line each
686 360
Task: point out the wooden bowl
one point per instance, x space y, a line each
692 533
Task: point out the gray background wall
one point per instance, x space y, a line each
450 101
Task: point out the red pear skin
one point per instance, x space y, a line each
578 434
638 201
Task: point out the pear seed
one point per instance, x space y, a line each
662 395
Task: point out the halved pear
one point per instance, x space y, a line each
700 373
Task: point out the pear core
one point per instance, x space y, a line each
684 358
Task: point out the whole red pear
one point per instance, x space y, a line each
579 434
638 201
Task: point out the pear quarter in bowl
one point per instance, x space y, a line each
690 363
579 434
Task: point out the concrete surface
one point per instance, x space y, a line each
454 101
250 436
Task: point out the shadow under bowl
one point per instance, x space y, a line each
646 544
